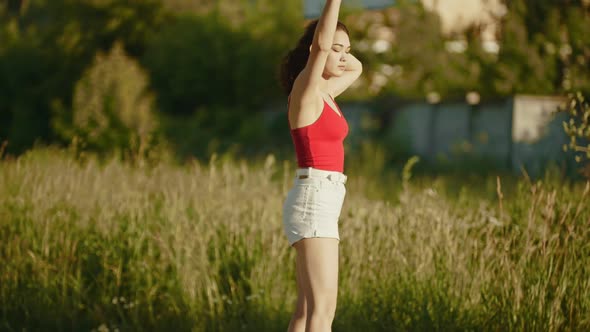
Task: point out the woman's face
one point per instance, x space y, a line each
336 63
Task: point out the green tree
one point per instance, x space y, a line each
418 61
545 47
112 108
44 48
226 57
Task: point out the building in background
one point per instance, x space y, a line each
459 14
524 132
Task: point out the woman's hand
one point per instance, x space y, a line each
353 64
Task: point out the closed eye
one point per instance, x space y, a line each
340 47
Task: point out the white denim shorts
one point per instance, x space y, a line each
313 205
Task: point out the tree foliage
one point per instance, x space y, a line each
112 107
221 57
545 47
44 48
578 129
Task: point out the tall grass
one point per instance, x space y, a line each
111 246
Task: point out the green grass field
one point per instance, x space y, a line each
111 246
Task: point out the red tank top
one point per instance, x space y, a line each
320 144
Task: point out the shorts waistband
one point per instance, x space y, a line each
314 172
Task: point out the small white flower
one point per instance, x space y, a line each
494 221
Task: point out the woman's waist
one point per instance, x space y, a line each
311 172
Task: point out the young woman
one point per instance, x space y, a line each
314 73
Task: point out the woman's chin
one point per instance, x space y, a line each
338 73
334 73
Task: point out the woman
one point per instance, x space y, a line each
314 73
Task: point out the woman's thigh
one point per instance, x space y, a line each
317 263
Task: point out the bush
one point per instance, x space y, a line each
112 108
578 129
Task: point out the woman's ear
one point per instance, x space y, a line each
310 48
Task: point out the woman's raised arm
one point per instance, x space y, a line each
321 46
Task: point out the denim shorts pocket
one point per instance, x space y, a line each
301 201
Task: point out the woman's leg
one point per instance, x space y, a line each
299 317
318 265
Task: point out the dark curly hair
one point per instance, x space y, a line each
294 62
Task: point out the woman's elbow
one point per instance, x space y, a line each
357 66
